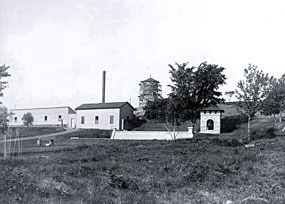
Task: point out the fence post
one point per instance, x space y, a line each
190 132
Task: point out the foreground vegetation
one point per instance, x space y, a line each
34 131
206 169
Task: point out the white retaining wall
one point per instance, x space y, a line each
150 135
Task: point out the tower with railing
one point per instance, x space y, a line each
150 90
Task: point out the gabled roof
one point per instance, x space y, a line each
89 106
213 108
150 80
71 111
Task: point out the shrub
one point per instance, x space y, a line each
226 142
230 123
264 133
134 123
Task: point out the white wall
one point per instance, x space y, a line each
39 116
215 116
72 120
104 118
150 135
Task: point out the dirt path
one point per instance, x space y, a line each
45 136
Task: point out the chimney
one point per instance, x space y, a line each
103 86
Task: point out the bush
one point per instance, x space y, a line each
230 123
226 142
134 123
264 133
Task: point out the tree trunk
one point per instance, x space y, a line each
5 145
248 128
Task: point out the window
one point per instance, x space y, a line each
15 119
210 124
82 119
96 119
59 117
111 119
45 118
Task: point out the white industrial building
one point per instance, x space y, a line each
104 115
49 117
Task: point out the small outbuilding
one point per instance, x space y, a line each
104 115
210 120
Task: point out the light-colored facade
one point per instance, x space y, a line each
104 115
210 120
50 117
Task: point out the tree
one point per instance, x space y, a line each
3 74
195 88
4 115
162 111
28 119
192 89
252 91
274 103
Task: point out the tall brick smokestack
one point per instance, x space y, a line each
103 86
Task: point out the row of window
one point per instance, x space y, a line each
45 118
82 121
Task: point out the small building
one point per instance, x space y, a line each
104 115
210 120
46 117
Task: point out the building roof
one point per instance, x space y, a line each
70 110
213 108
150 80
89 106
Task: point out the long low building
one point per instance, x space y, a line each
50 117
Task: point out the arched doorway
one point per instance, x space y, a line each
210 124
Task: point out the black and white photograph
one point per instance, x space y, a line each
142 102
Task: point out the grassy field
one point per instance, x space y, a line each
34 131
201 170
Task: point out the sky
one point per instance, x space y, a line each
57 50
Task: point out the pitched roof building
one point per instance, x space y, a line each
104 115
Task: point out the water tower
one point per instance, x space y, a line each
150 90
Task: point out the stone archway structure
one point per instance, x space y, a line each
210 120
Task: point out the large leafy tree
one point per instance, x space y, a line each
253 89
274 102
192 89
28 119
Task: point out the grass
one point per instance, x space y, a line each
90 133
34 131
108 171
